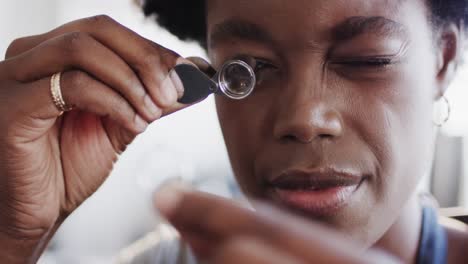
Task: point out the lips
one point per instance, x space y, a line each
319 192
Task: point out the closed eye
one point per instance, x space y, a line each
370 62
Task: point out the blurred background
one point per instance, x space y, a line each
187 144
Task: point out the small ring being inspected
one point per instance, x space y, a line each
56 92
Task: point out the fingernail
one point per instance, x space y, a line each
177 83
169 92
167 199
140 124
151 106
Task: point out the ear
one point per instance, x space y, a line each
449 52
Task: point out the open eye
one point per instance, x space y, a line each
258 64
263 69
261 65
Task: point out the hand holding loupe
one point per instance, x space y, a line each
235 80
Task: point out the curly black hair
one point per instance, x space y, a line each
186 18
183 18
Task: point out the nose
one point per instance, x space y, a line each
307 121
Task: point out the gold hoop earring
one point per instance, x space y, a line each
448 112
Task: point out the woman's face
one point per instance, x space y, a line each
340 125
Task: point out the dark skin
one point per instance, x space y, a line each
309 110
324 102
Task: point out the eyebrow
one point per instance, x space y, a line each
238 29
355 26
346 30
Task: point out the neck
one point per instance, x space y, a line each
408 227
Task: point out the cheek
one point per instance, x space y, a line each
415 139
395 123
398 128
242 131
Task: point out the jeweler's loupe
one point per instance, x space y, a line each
235 80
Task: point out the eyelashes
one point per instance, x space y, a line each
262 67
366 62
264 70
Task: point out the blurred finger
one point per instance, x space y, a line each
252 251
221 219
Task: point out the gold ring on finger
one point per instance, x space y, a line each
56 92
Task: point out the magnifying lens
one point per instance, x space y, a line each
235 80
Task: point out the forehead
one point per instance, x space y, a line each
296 19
